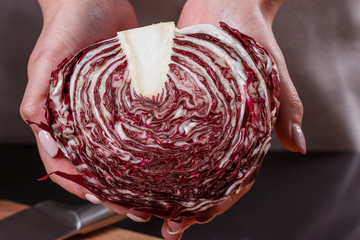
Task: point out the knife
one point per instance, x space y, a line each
50 220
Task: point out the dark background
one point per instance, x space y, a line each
311 197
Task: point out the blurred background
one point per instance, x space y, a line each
320 41
295 197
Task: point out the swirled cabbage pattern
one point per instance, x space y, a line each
181 151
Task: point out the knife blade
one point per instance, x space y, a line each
50 220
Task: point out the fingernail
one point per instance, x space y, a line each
205 220
48 143
92 198
171 231
299 138
137 218
175 229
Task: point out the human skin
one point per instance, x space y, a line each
68 27
71 25
253 18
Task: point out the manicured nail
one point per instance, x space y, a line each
299 138
92 198
205 220
171 231
48 143
174 229
137 218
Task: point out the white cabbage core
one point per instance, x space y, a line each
148 51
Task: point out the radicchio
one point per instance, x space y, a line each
182 147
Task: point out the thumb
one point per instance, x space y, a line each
33 102
288 125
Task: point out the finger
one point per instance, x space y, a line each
53 160
58 161
138 216
33 103
221 207
48 143
171 234
288 125
179 225
174 228
134 215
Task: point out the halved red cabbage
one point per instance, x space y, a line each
164 120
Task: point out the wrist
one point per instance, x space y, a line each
269 8
49 8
